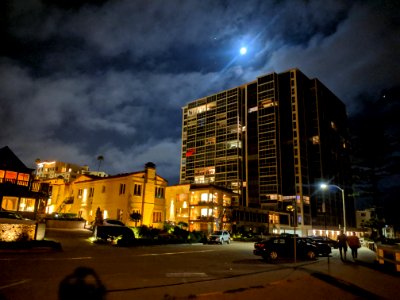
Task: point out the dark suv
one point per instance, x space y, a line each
323 249
283 247
324 240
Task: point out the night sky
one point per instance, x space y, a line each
79 79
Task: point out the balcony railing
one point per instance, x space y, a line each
14 181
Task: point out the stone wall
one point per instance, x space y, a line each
17 232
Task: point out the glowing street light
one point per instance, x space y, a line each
324 186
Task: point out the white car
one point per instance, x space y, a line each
219 237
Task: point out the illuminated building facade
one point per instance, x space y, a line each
18 190
271 141
58 169
115 196
204 207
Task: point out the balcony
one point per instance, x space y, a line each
204 219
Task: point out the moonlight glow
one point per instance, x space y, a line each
243 51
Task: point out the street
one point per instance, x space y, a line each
167 272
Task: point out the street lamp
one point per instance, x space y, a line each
324 187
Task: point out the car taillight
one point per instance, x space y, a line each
259 245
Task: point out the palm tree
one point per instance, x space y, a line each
100 158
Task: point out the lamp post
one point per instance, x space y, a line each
324 187
293 209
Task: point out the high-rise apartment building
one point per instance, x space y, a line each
272 141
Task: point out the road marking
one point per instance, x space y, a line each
14 284
174 253
51 258
69 258
186 274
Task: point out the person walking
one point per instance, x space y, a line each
342 245
354 244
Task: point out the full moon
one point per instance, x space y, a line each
243 50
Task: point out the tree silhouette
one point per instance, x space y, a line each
136 217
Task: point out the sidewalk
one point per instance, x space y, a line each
362 275
326 279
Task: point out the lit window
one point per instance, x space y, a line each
233 144
253 109
23 179
204 197
11 176
199 179
84 196
9 203
27 204
204 212
172 211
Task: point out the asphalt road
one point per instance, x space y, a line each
162 272
145 272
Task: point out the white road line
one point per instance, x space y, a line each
14 284
186 274
69 258
173 253
51 258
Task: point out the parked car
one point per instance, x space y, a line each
13 217
323 249
219 237
283 247
113 222
107 222
324 240
115 234
10 215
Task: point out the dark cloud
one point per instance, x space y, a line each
84 78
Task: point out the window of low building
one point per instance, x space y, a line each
137 189
157 217
9 203
122 188
27 204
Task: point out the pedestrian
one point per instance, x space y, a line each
354 244
342 244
